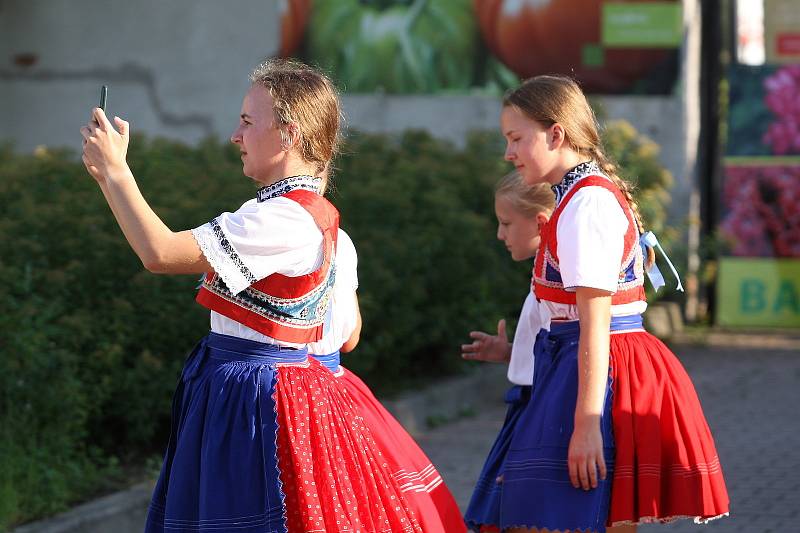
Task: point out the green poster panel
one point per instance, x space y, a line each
642 25
758 292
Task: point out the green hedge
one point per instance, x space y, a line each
92 344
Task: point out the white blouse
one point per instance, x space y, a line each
590 235
276 235
533 317
343 310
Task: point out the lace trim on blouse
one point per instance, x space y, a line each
281 187
222 257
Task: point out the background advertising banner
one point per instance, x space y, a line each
759 292
782 31
758 282
430 46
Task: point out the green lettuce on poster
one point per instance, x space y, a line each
398 46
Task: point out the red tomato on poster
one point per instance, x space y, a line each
294 17
533 37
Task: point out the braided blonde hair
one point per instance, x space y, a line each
559 99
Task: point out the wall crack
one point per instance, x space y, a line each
126 73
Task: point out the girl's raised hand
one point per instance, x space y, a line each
104 148
489 348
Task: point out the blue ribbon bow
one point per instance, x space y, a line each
654 274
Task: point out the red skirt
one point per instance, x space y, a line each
666 463
334 474
434 506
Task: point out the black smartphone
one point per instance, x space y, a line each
103 97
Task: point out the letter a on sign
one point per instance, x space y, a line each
787 298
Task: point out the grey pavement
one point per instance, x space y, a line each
751 398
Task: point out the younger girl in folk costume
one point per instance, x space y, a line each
263 439
428 497
521 210
613 433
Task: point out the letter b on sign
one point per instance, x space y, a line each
753 297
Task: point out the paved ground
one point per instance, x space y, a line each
751 398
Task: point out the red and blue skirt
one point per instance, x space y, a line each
434 507
265 439
660 455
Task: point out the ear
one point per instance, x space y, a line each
541 219
556 136
290 135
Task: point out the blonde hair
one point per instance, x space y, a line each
529 200
305 99
551 99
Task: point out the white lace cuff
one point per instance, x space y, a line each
222 257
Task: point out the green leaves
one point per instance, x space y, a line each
92 344
420 212
398 47
637 160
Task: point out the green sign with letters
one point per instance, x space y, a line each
642 25
758 292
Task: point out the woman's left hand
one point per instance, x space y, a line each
104 148
585 457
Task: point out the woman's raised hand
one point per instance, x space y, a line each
489 348
104 148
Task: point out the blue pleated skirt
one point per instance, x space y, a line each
220 471
536 490
484 506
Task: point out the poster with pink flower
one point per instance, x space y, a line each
759 279
764 110
762 208
761 189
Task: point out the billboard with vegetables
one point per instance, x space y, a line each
429 46
758 281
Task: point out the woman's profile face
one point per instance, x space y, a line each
258 137
527 145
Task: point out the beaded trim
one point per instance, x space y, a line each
577 172
308 310
281 187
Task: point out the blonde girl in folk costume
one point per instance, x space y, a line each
613 433
433 505
264 439
522 210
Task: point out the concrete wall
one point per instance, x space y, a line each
176 68
179 69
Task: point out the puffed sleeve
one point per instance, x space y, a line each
346 261
259 239
591 233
